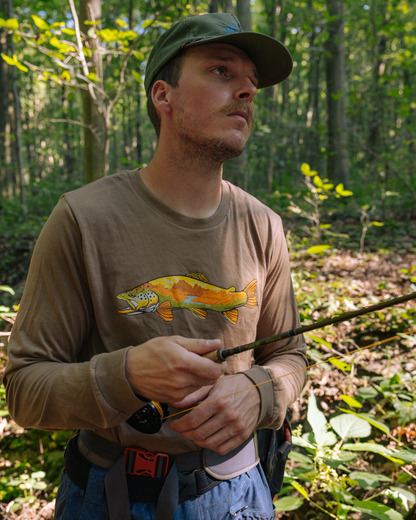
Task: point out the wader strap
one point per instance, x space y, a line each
169 495
116 490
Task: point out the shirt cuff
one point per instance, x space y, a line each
268 392
110 377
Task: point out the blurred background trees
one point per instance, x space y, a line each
347 109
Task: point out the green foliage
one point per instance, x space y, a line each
326 466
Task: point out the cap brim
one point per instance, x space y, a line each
271 58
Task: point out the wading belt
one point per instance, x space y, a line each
138 475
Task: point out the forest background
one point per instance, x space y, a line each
332 152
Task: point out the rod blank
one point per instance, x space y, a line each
221 354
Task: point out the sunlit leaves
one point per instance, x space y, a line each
288 503
351 401
137 76
318 249
93 77
370 419
11 23
306 170
340 190
14 61
318 423
301 489
41 24
348 426
345 367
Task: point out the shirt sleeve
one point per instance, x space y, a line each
284 361
45 385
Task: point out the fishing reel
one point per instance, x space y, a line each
150 418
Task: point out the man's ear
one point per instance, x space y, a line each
161 96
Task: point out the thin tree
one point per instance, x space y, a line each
336 93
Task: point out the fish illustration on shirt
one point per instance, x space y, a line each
192 292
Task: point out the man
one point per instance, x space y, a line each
137 275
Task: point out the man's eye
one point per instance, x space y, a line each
220 71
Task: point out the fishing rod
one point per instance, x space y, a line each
150 418
221 354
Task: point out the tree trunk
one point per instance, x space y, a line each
335 78
374 137
18 120
95 130
213 6
270 7
227 6
68 166
244 13
4 87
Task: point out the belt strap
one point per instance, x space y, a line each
118 485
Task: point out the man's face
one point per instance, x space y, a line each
212 107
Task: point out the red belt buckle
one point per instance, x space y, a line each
145 463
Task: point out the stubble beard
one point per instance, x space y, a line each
201 149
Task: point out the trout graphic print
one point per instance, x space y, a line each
192 292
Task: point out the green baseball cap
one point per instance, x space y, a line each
271 58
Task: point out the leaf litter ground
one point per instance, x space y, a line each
324 286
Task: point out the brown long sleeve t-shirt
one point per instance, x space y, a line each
112 246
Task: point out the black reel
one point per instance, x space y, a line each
150 418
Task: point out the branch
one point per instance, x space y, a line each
80 51
126 59
90 127
78 36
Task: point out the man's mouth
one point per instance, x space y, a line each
243 114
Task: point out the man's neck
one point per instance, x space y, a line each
184 184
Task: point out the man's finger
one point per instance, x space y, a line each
195 397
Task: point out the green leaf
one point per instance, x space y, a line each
301 489
369 418
300 457
376 510
401 496
318 423
375 223
8 60
317 249
348 426
40 23
6 287
340 364
368 392
375 448
406 455
298 441
21 67
351 401
92 76
368 480
38 474
306 170
137 76
3 413
70 32
12 23
288 503
317 181
319 340
120 22
344 193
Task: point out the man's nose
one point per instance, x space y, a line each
246 90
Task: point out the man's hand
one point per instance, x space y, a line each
224 424
167 369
